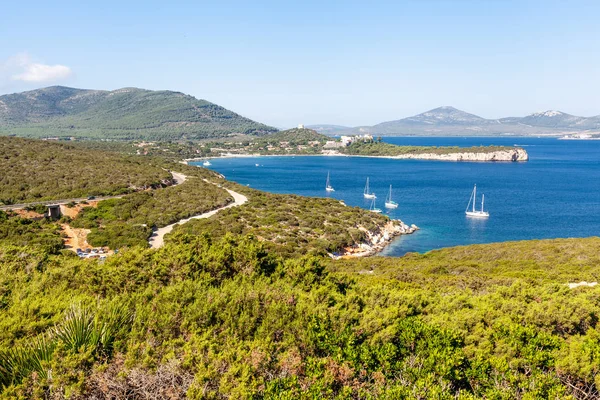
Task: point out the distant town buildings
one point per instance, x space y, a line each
332 144
347 141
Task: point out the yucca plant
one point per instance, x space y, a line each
78 329
19 362
81 328
110 323
84 328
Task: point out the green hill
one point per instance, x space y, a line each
122 114
35 170
296 136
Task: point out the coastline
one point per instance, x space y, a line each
518 155
377 241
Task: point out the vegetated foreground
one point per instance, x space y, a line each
225 318
247 305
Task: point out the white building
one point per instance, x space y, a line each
347 140
300 126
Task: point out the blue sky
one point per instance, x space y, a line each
341 62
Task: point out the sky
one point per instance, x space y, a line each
316 62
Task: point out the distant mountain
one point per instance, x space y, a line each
127 113
449 121
441 115
549 119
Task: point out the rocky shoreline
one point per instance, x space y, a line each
512 155
376 241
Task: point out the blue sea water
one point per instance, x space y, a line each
555 194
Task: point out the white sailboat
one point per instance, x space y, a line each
367 193
389 203
373 208
476 213
328 186
206 163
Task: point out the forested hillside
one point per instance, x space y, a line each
129 221
295 136
34 170
124 114
290 225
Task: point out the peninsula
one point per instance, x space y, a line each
300 141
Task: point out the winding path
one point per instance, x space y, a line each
158 236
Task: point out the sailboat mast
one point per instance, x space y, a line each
482 199
474 197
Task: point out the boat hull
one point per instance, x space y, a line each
330 189
477 214
391 205
369 196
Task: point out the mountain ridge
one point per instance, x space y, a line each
121 114
448 120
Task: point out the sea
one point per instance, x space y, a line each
556 194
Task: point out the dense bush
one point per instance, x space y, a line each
128 221
35 170
227 319
290 225
43 233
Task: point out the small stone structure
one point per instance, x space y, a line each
54 211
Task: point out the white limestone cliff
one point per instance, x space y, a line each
516 154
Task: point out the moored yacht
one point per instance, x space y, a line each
389 203
476 213
373 208
328 186
367 193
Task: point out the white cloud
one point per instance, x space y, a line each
23 68
43 73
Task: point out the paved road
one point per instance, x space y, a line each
177 178
157 238
59 202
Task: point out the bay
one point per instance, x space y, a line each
554 195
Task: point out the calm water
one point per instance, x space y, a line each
555 194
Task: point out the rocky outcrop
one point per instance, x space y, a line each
376 240
573 285
516 154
